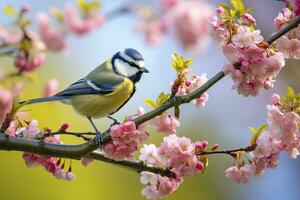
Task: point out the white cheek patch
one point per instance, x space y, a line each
124 68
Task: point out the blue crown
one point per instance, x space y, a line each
134 54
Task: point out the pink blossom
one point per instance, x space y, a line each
86 161
50 88
60 173
239 174
24 63
248 19
201 101
245 37
52 37
189 20
6 98
217 29
200 145
7 38
148 178
191 85
179 153
158 186
33 160
230 51
275 99
70 176
289 47
166 123
31 131
50 165
168 4
296 7
125 140
149 154
283 18
81 25
153 30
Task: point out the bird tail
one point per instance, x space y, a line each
44 99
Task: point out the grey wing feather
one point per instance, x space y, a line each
101 80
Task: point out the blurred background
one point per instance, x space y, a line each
223 120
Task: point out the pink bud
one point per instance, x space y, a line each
25 8
199 166
275 99
188 83
220 9
64 127
249 19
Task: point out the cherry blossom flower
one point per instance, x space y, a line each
70 176
6 98
31 131
50 88
158 186
86 161
166 123
189 21
125 140
168 4
33 57
81 25
53 38
245 37
239 174
289 45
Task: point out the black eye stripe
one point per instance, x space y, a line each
132 64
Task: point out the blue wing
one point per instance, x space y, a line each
84 87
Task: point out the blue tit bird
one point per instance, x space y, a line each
104 90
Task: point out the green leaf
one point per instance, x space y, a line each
150 103
9 10
162 98
179 64
262 128
238 5
225 7
257 132
250 10
290 92
88 7
253 130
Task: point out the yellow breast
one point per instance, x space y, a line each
97 106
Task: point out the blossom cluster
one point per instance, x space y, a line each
29 47
288 44
125 138
51 164
282 135
187 20
175 153
253 63
189 84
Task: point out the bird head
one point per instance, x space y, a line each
129 63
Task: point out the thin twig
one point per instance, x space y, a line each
230 152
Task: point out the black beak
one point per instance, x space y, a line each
144 70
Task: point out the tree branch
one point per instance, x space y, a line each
73 152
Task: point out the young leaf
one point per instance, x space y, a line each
162 98
150 103
179 64
9 10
